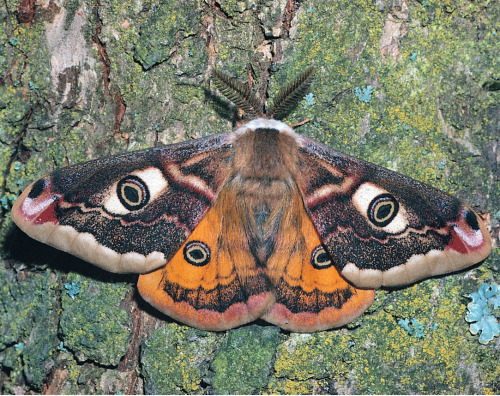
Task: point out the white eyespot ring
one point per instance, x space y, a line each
380 208
135 191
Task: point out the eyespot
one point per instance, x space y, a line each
197 253
380 208
37 188
383 209
132 192
320 259
471 219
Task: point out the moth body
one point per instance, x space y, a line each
257 223
263 179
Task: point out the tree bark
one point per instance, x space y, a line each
408 85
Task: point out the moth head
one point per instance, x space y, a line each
380 208
135 191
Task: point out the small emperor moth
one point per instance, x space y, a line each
256 223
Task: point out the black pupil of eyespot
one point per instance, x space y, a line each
196 254
322 257
384 211
131 193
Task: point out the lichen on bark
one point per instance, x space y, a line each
409 85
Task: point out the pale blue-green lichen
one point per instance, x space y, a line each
480 312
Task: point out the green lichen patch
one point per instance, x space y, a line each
239 18
306 363
20 302
175 359
73 377
432 353
92 323
164 107
167 25
11 361
13 110
243 363
89 379
28 326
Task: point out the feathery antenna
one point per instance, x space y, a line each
242 96
238 93
289 95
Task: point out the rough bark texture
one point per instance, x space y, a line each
411 85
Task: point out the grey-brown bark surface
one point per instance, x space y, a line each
409 85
